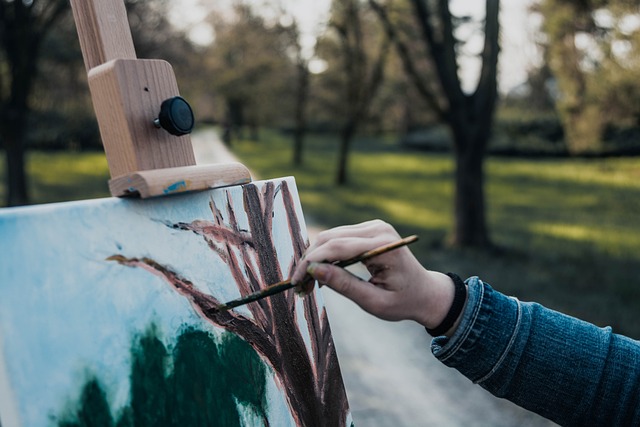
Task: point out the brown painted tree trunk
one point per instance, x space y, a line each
311 379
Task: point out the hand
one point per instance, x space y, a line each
399 287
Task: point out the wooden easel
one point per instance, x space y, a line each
144 159
86 285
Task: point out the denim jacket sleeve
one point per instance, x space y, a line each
562 368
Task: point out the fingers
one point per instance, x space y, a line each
337 249
345 242
368 296
366 229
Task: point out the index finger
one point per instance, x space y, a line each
338 249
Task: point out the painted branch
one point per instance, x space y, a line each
311 382
206 306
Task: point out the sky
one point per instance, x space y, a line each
518 54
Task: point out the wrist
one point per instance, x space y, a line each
452 318
436 299
444 306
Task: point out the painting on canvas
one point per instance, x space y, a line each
106 314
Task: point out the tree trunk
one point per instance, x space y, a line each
345 141
300 113
13 126
470 229
468 116
23 26
17 193
298 142
582 118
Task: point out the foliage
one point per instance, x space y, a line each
566 227
356 53
592 50
61 114
23 27
202 381
537 135
249 67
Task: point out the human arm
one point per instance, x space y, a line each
400 287
560 367
555 365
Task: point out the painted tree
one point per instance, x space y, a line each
469 116
200 381
311 380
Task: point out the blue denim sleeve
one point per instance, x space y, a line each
560 367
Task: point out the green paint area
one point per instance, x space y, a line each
200 382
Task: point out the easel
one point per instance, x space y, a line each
146 139
86 284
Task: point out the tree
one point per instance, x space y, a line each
301 92
24 24
358 72
198 382
42 76
592 52
311 380
469 116
61 114
250 69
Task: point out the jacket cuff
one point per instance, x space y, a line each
478 347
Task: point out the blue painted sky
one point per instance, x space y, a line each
66 312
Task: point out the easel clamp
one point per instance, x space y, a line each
128 95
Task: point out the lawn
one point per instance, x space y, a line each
55 176
567 228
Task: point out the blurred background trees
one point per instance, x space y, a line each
469 116
250 70
592 52
44 98
355 51
23 29
392 67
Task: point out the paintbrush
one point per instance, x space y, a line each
286 284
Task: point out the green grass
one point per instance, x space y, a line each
568 227
62 176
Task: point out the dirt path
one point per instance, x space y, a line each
391 377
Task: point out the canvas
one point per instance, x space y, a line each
106 314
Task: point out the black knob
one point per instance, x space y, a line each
176 116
